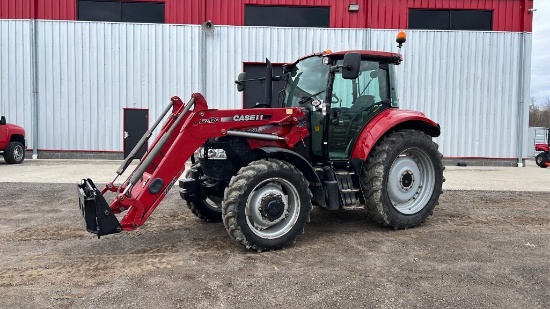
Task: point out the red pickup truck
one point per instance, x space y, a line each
12 142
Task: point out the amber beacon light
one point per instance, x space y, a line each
401 38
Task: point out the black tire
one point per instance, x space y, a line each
262 184
402 179
541 159
14 153
209 209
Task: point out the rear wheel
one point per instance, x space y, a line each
541 159
266 205
208 209
14 153
402 179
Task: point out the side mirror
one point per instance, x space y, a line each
2 121
350 69
240 81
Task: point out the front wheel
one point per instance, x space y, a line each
542 159
266 205
402 179
14 153
209 208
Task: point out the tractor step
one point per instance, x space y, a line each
349 191
98 216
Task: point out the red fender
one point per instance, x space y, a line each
387 120
542 147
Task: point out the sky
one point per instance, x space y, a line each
540 57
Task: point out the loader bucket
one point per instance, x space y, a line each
98 216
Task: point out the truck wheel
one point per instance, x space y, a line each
541 159
208 209
266 205
402 179
14 153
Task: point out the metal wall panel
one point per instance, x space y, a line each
16 74
39 9
16 9
229 47
88 72
508 15
466 81
232 12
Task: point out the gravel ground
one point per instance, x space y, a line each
479 249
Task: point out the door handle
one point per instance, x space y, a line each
125 135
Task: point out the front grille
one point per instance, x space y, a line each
217 169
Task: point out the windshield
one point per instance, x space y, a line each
307 80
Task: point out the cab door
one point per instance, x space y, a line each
354 103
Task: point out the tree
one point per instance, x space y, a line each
539 115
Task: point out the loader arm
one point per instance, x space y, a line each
182 133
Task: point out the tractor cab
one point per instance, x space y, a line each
341 92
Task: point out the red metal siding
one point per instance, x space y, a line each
14 9
508 15
232 12
185 11
39 9
56 9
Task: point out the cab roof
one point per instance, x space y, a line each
365 54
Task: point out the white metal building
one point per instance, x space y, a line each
67 82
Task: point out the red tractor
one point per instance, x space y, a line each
336 139
543 158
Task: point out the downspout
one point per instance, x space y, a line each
521 104
34 72
203 64
203 52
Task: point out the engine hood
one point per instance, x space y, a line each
14 129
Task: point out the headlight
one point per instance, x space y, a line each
213 154
216 154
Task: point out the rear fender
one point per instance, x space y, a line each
389 121
300 163
541 147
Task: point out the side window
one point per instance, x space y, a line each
368 82
436 19
121 11
371 85
342 92
286 16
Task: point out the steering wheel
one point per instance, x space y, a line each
334 96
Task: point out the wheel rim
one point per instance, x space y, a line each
411 181
272 208
18 153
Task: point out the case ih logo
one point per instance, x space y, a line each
248 117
